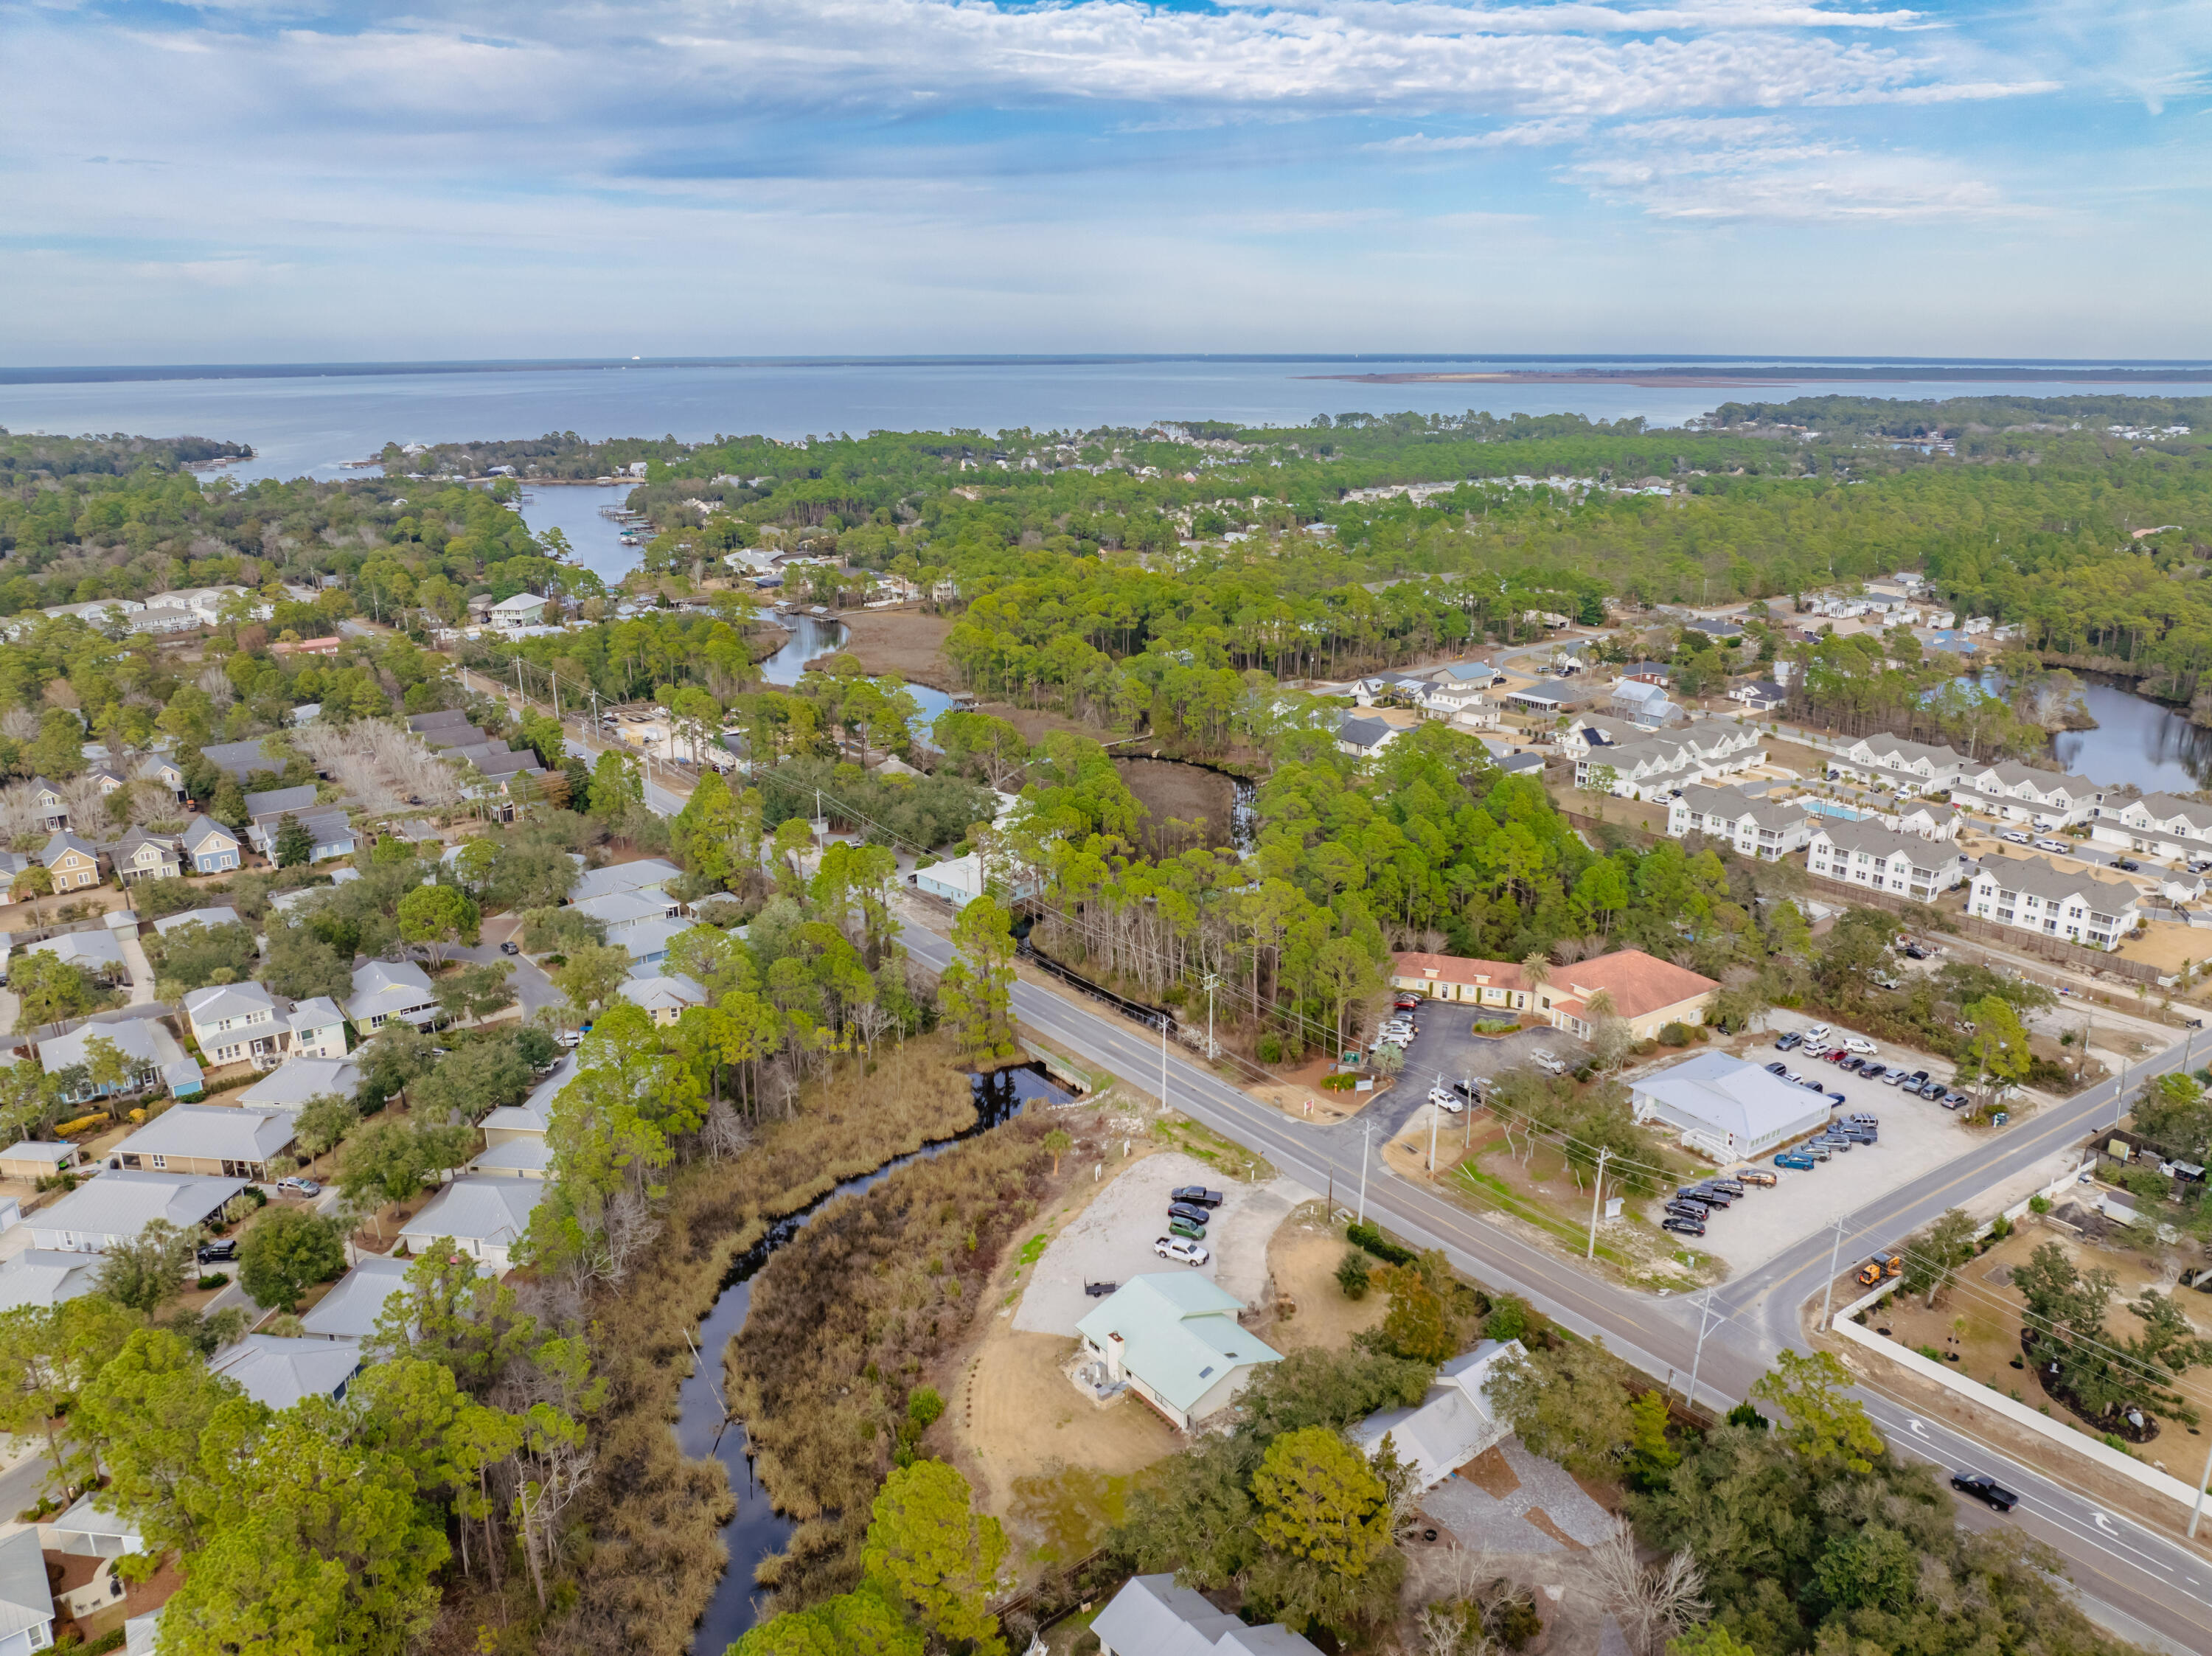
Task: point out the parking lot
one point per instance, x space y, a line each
1446 1046
1917 1134
1111 1241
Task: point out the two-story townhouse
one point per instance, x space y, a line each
236 1022
1908 766
2157 825
1761 828
1653 765
316 1028
1866 853
2020 793
383 992
2035 894
1361 737
53 810
1929 821
73 862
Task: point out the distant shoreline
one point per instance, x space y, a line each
1754 378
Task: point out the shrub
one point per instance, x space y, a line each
1507 1318
1338 1083
1745 1414
2039 1205
1370 1237
1674 1034
1271 1049
1352 1274
2000 1227
215 1279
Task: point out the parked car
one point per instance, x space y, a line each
2013 837
1778 1069
1682 1227
1197 1195
1955 1101
1446 1099
1829 1141
1984 1487
1179 1247
1815 1149
224 1247
1893 1076
1838 1098
567 1038
1858 1044
1188 1213
1861 1118
1851 1065
1818 1032
2058 845
1100 1290
1466 1089
510 947
2127 863
1797 1161
1185 1229
1551 1063
296 1187
1730 1186
1789 1041
1757 1176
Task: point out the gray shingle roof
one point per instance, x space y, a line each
2039 876
223 1131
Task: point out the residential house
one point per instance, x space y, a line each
2020 793
961 880
1866 853
1726 1108
523 609
240 760
425 723
280 1370
1449 1427
1176 1341
1150 1615
294 1083
316 1029
1362 738
1929 822
147 1049
38 1158
237 1141
209 846
350 1310
1648 672
12 862
1648 992
383 991
221 914
1652 764
2034 894
236 1022
139 855
1907 767
665 997
96 953
514 1134
1545 700
207 604
2157 825
26 1601
73 862
263 810
1644 703
486 1218
89 1526
1722 629
53 810
329 833
36 1277
1760 695
105 1212
649 874
1762 829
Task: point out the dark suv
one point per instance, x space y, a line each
1188 1214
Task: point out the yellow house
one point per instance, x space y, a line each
73 862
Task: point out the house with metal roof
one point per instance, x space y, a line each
666 996
278 1370
1453 1424
27 1602
523 609
350 1310
38 1278
1150 1615
1174 1340
147 1048
1763 828
293 1083
384 991
38 1158
223 914
315 1027
1727 1109
232 1141
96 953
1866 853
236 1022
113 1209
2013 792
649 874
485 1218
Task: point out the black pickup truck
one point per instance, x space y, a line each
1983 1489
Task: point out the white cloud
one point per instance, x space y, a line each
1522 134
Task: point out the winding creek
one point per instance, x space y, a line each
812 637
756 1530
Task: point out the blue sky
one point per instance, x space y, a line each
317 180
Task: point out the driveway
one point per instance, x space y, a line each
532 988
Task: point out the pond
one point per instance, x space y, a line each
812 637
756 1530
2136 741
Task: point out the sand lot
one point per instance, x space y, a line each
1310 1310
906 642
1111 1241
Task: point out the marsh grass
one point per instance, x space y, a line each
648 1546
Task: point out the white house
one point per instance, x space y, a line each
648 875
2019 793
486 1218
1174 1341
291 1084
666 996
1909 767
1866 853
1150 1615
115 1207
315 1027
383 992
280 1369
960 881
236 1022
1363 738
1650 765
37 1277
223 914
523 609
1453 1424
1926 821
1755 828
2156 825
1727 1109
2035 894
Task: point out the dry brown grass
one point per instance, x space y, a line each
652 1551
846 1322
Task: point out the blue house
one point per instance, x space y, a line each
209 847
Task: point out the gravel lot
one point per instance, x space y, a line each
1917 1134
1111 1241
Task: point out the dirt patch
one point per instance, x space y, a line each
1491 1473
1311 1312
1020 1418
1190 806
1539 1518
1037 723
2168 947
908 642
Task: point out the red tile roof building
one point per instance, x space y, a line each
1647 992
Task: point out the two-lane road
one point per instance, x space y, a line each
2145 1586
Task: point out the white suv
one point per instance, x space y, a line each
1860 1044
1446 1099
1175 1248
1549 1064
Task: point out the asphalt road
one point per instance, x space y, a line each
2143 1584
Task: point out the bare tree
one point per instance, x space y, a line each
631 1226
87 805
723 1132
18 725
1653 1605
21 818
215 684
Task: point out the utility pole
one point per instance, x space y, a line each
1828 1293
1211 983
1363 1172
1698 1355
2197 1511
1597 1195
1435 1110
1164 1016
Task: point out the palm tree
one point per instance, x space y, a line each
1536 972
